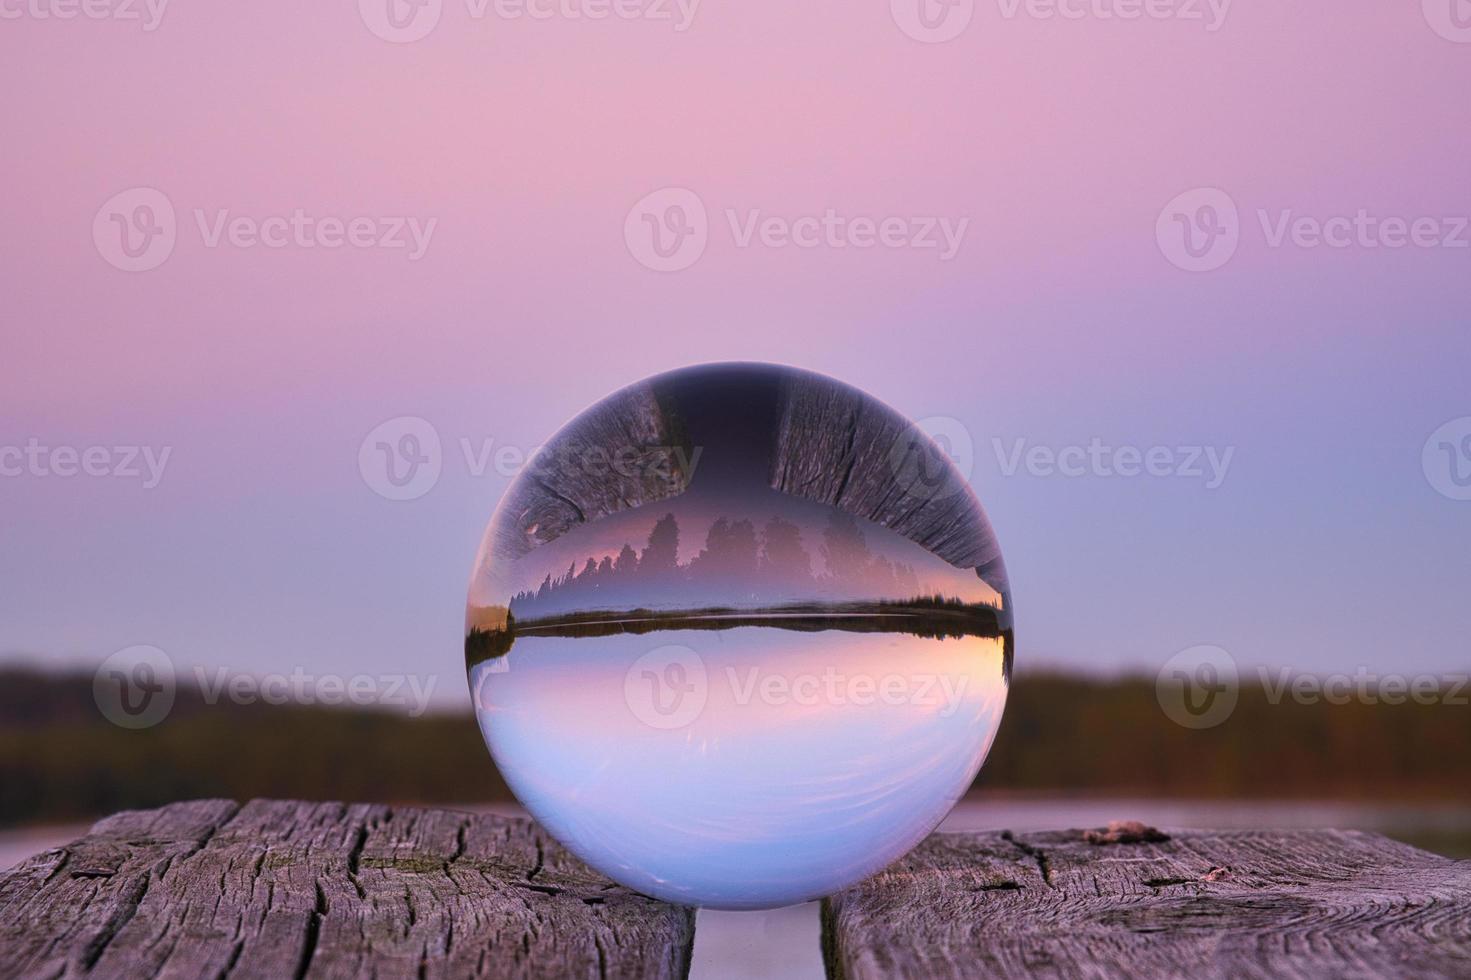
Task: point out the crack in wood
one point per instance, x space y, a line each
1037 855
313 932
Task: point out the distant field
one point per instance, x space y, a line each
60 760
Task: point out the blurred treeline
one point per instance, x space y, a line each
1062 734
1065 733
60 759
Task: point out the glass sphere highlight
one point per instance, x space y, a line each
739 635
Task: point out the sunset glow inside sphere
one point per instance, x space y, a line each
739 635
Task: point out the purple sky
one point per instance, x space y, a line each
1062 317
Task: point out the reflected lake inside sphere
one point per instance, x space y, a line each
739 636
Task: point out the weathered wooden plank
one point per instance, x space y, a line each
837 446
61 909
1124 903
620 454
827 442
290 889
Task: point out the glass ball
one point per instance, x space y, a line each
739 635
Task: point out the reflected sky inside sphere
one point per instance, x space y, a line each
794 778
739 636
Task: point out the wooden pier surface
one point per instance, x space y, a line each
289 889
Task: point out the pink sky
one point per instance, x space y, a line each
527 142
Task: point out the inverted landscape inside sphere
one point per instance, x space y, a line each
735 495
831 642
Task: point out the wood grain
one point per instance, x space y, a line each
837 446
290 889
1203 904
620 454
